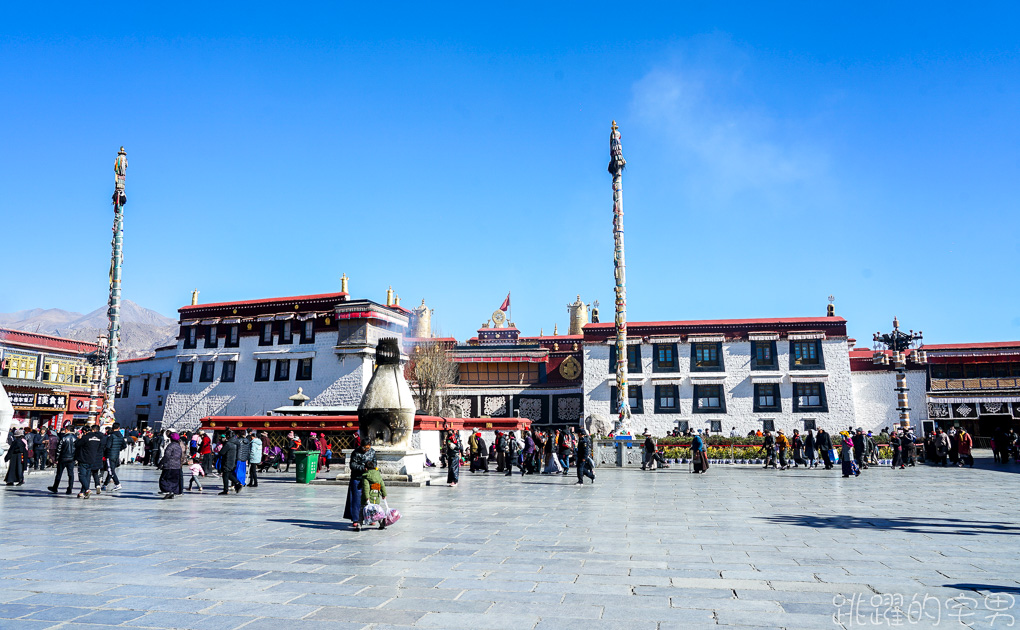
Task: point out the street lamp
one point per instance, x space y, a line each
899 342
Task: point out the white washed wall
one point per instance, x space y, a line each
163 362
875 399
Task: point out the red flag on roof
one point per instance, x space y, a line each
506 303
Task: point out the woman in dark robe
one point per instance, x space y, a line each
529 453
453 449
798 449
16 460
362 459
170 467
699 454
809 449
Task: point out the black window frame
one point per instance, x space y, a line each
159 381
614 393
755 365
211 340
820 365
190 337
208 372
228 375
286 333
145 386
233 337
282 373
660 393
777 399
699 393
308 331
768 424
300 373
822 407
720 365
715 426
658 366
266 327
633 367
126 387
813 426
187 373
263 370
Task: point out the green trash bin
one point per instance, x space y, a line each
307 463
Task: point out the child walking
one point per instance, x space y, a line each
373 490
196 471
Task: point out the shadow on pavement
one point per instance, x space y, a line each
331 525
953 526
991 588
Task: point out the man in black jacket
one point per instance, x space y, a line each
39 448
859 444
114 445
585 465
824 443
65 461
89 455
228 462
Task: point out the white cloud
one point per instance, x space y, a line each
724 147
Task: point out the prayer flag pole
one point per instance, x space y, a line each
116 265
616 164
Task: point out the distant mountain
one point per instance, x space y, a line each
129 313
142 330
45 320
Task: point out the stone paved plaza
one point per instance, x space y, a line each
738 546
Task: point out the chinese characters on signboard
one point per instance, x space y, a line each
21 400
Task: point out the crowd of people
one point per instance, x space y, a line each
238 456
541 452
86 454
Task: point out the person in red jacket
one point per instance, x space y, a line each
205 452
965 444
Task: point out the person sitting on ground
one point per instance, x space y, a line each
373 490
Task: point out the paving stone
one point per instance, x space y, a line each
739 547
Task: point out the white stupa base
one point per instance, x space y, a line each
397 467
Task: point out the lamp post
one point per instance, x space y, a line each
899 342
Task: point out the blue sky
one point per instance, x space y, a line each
775 156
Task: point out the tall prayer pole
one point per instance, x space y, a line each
616 164
116 264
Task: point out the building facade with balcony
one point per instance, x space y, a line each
974 385
247 358
47 378
717 375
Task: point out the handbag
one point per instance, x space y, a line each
392 515
374 513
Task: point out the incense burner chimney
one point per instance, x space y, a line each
386 411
